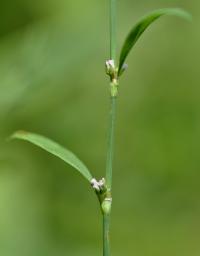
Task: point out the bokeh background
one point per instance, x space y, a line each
52 82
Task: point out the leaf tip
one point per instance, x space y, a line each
17 135
181 13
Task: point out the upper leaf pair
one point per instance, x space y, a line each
141 26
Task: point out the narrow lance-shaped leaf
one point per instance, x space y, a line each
142 25
55 149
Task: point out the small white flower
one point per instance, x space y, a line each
98 185
110 66
95 184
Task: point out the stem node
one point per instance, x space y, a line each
106 206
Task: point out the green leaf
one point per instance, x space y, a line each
142 25
55 149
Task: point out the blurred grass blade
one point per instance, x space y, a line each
55 149
142 25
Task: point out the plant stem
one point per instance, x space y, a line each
106 228
113 30
110 147
109 164
110 150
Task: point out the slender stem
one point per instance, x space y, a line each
110 150
110 147
106 229
113 29
109 165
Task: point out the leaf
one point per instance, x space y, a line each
142 25
55 149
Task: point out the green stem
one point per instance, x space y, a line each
110 150
109 165
113 30
106 228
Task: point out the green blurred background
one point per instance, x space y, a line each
52 81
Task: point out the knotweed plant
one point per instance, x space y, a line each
114 69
